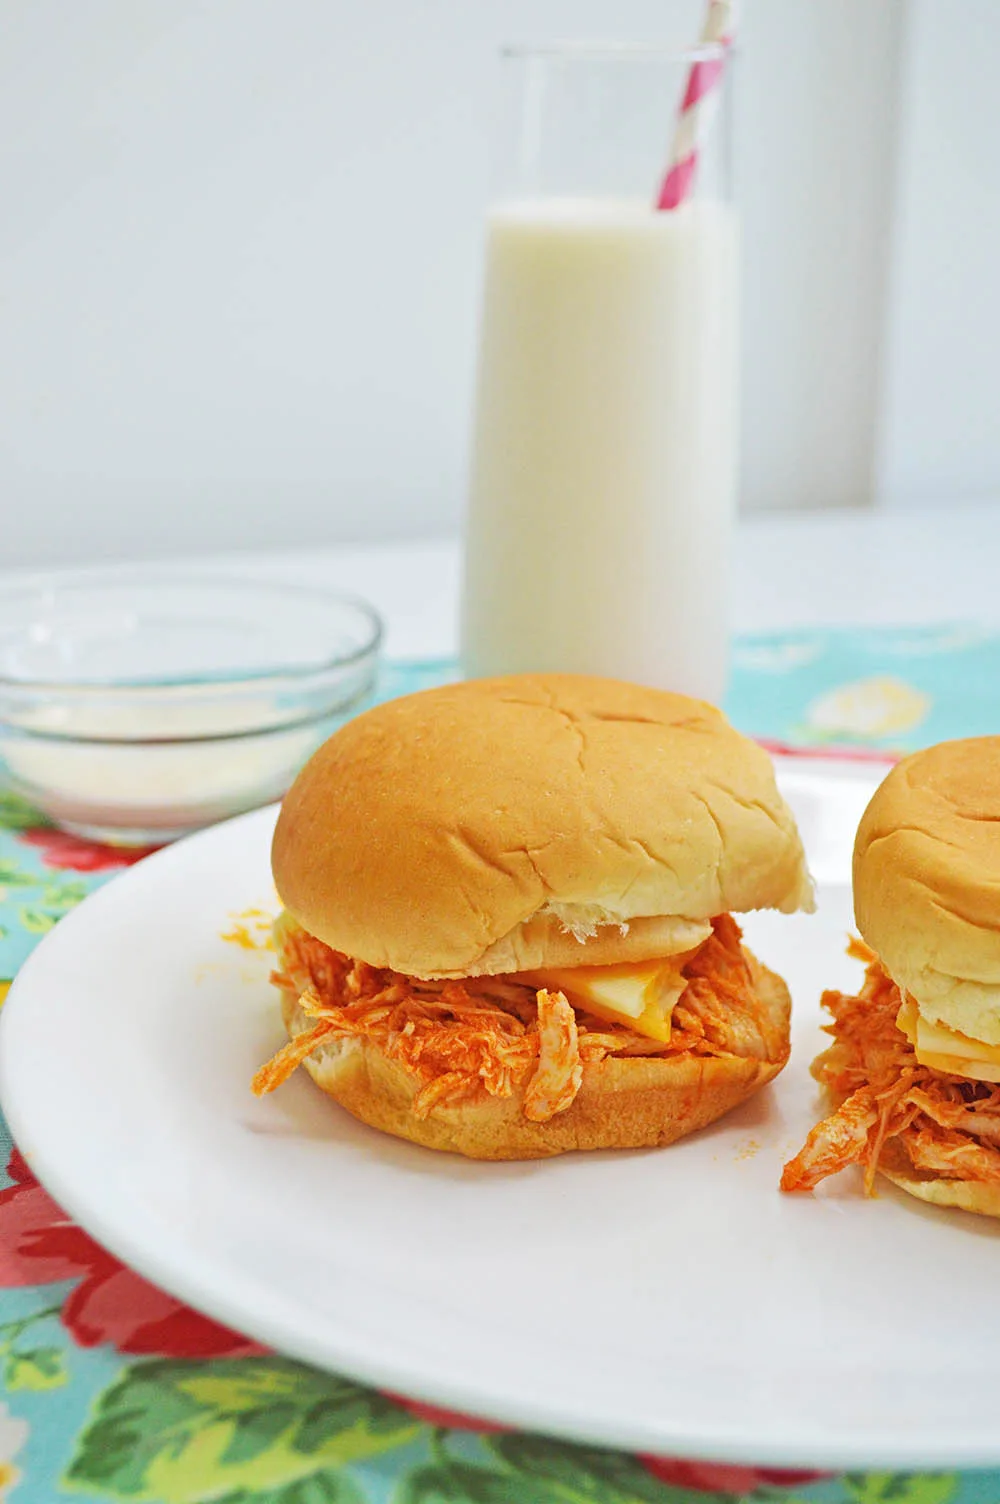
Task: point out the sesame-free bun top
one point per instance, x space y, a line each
536 820
927 882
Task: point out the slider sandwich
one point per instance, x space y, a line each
914 1067
508 917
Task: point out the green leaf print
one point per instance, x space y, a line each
321 1488
43 1368
53 901
36 921
180 1432
50 896
901 1488
535 1470
17 814
62 892
461 1483
589 1474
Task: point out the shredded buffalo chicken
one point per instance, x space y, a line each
892 1108
495 1033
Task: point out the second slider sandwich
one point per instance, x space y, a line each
914 1067
508 922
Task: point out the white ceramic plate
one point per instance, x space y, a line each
669 1300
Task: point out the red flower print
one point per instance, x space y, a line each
114 1305
433 1415
73 854
725 1478
39 1245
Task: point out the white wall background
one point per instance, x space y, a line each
816 161
941 434
239 259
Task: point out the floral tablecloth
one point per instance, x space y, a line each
115 1391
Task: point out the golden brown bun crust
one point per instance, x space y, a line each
964 1195
426 832
927 882
622 1103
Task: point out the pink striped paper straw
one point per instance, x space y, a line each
701 96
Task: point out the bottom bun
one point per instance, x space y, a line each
623 1102
963 1195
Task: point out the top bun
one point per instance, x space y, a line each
927 882
540 819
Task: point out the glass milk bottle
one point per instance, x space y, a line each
605 442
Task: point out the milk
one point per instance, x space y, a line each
605 448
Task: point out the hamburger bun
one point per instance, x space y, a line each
927 883
622 1103
958 1195
537 820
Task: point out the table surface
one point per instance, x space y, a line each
791 569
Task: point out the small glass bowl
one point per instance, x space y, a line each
138 704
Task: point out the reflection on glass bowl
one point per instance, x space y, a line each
138 704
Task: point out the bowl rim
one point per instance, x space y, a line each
124 574
11 732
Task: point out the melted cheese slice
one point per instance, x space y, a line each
640 994
946 1049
